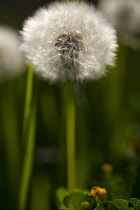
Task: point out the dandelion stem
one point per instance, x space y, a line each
27 106
70 135
29 153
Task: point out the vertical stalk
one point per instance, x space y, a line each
116 108
11 136
29 152
116 83
40 192
70 135
28 97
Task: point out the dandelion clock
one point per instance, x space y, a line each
125 16
68 42
11 63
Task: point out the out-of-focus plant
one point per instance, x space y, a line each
125 16
95 200
11 68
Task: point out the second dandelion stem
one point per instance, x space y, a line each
29 133
70 135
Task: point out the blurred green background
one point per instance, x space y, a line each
107 129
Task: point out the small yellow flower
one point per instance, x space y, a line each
97 191
103 193
85 204
107 168
94 191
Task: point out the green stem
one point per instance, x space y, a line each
70 135
29 154
98 202
9 124
115 105
116 84
29 87
40 192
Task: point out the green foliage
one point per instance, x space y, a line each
121 204
81 201
135 203
60 194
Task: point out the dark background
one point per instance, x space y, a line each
107 128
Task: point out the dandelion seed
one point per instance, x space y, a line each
69 42
125 16
10 57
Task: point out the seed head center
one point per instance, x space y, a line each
69 46
69 43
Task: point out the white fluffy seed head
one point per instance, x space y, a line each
125 16
69 42
11 62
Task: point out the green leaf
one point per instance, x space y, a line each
101 208
121 204
135 203
66 201
107 205
76 199
60 194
